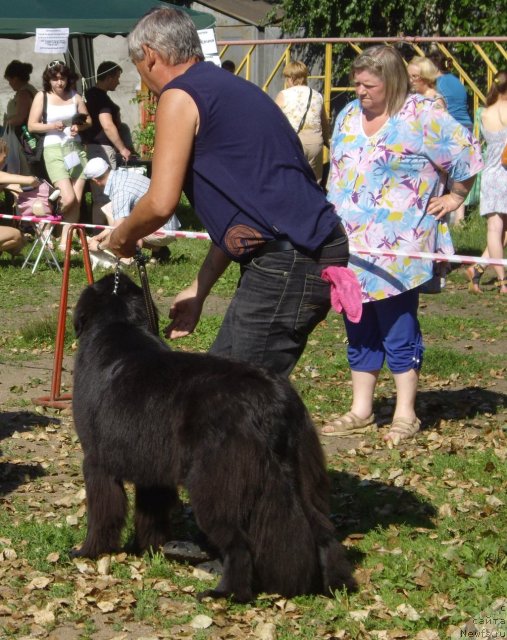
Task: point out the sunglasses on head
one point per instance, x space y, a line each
56 63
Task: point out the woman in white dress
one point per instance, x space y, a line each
304 108
493 203
54 113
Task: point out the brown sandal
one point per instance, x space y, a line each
502 285
475 273
347 425
402 429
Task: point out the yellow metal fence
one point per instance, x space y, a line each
262 61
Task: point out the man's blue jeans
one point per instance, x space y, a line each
280 299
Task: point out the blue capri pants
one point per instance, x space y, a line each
388 330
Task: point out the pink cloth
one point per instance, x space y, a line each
345 291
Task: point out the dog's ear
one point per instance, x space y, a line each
83 309
79 321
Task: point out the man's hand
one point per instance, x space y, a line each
93 243
113 241
125 154
185 312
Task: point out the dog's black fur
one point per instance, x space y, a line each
239 439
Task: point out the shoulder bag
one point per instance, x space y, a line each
474 195
302 123
503 158
34 154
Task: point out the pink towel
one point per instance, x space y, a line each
345 291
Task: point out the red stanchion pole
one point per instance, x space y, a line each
57 400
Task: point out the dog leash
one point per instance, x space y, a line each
148 300
143 277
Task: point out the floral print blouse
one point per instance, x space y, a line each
295 103
381 184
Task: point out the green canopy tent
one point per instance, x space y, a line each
85 20
83 17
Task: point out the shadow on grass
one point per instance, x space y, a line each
458 404
13 475
468 403
359 506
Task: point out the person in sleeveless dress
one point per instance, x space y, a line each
64 155
242 167
17 74
493 203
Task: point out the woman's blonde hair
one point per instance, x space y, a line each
3 146
387 64
296 71
427 70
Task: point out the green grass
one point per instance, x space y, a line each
470 238
424 524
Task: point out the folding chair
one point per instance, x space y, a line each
42 243
40 203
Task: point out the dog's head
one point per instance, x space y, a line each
99 303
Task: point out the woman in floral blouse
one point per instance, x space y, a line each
391 153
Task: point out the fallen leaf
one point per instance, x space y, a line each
201 622
43 616
359 614
408 612
265 631
104 566
427 634
41 582
106 606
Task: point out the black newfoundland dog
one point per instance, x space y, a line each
239 440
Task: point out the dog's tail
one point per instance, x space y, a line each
336 572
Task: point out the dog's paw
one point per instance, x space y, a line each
84 552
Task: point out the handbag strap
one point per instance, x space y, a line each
301 124
477 123
44 108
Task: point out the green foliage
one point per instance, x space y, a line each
394 18
144 134
327 18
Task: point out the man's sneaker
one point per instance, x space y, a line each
160 256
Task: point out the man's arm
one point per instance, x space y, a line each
12 180
186 308
172 153
113 135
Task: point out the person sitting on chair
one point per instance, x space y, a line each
11 238
125 188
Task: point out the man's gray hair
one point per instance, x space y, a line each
168 31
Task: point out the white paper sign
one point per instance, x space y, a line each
208 42
215 59
71 160
51 40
